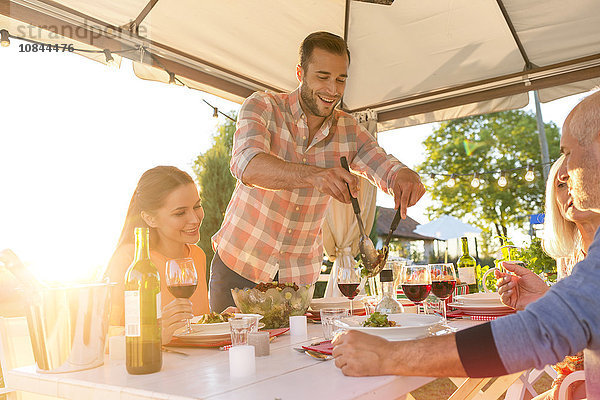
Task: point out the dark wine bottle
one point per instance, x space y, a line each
142 310
467 267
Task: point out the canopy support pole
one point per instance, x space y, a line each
134 26
542 136
513 32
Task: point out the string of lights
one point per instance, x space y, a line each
475 182
476 177
5 37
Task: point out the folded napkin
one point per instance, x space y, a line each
324 347
459 314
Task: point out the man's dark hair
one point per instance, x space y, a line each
323 40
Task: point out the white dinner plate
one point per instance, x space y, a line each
479 299
337 302
215 328
209 331
202 338
408 326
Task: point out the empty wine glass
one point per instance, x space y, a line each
416 283
182 280
443 282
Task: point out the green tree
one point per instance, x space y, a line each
216 185
492 142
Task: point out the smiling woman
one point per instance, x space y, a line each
166 201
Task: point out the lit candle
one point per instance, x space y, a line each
260 341
298 326
241 361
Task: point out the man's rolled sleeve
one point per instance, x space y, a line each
392 176
251 136
375 164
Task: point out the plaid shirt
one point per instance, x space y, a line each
266 231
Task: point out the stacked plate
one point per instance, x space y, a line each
408 326
208 333
481 304
358 306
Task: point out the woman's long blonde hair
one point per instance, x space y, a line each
561 237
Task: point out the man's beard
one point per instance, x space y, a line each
308 98
585 183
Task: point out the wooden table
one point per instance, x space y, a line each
286 374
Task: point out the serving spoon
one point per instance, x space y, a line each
385 250
370 257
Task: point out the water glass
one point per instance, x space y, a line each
255 318
240 327
328 318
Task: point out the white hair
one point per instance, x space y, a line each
561 237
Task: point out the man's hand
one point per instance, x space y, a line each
407 189
269 172
359 354
332 181
518 290
174 316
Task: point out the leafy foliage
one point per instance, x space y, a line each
537 260
491 142
216 185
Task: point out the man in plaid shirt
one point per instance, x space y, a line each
286 158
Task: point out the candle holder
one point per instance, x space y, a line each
241 361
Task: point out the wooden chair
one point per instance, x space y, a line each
525 383
573 377
16 351
471 388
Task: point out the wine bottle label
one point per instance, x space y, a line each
467 275
158 306
132 313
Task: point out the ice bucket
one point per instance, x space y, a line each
68 327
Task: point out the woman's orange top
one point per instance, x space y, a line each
120 262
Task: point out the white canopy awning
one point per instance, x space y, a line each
414 61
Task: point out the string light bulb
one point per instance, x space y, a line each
452 181
475 181
4 38
529 175
110 61
502 181
172 79
215 112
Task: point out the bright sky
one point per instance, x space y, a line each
76 136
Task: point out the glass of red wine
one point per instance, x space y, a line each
416 283
443 282
348 281
182 280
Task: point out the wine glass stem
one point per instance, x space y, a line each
444 310
351 313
